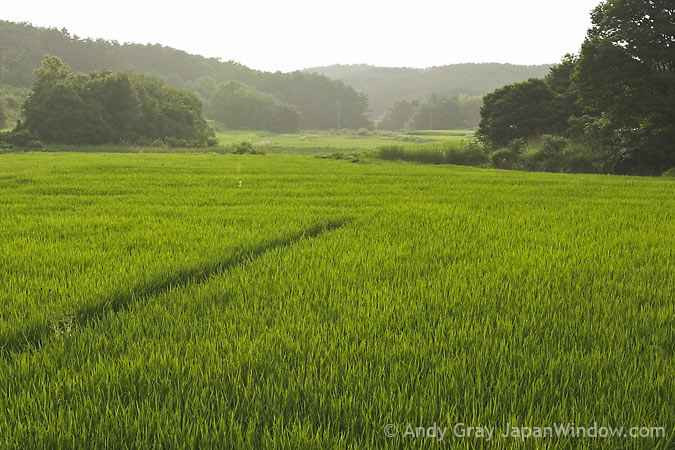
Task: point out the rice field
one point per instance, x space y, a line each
285 301
318 142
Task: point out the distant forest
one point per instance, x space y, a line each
385 86
320 103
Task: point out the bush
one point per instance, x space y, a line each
391 153
245 148
550 157
669 173
20 138
506 158
469 155
558 154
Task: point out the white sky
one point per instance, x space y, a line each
294 34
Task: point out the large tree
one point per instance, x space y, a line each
521 110
626 74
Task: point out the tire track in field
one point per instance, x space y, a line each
33 338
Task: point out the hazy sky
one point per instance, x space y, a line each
293 34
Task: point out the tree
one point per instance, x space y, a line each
320 102
438 113
561 81
238 106
99 108
521 110
626 73
3 115
398 116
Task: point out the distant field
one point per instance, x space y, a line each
303 143
322 141
278 301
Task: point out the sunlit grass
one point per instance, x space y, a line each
205 300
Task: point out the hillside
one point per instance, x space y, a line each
386 85
320 100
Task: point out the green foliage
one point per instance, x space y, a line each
522 110
69 108
398 116
3 115
669 173
11 99
244 148
436 113
238 106
636 39
321 102
616 99
19 138
506 158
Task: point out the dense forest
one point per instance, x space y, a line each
611 108
384 86
238 106
321 103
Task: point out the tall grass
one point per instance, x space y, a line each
460 153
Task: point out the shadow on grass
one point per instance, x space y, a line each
33 338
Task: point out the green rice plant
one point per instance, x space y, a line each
232 301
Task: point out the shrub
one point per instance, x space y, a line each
391 152
469 155
245 148
550 157
669 173
506 158
20 138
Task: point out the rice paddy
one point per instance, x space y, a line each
285 301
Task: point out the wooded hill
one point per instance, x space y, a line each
386 85
321 103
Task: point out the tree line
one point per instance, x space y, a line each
611 108
321 103
434 113
386 85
